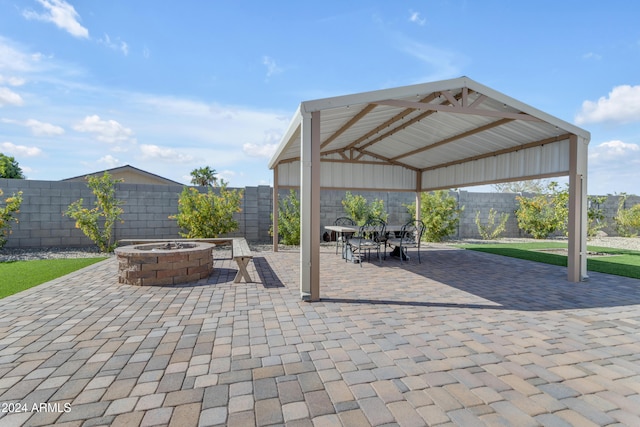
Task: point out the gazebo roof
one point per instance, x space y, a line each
445 134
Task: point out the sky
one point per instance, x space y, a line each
171 86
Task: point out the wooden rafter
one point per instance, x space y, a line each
381 127
407 124
366 110
455 137
458 110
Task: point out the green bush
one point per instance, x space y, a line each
595 215
491 230
288 219
204 215
8 215
627 220
440 213
545 213
97 223
358 209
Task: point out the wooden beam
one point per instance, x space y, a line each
389 122
366 110
458 110
403 126
455 138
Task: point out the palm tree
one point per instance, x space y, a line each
204 176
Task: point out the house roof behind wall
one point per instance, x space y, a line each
130 175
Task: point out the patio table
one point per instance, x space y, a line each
343 231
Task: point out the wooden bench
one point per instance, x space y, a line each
241 254
240 251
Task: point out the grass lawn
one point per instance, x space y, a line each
620 262
16 276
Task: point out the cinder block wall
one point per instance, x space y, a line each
146 212
147 209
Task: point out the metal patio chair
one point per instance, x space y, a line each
370 236
410 237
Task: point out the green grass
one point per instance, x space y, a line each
621 262
16 276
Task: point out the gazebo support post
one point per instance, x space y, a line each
419 195
577 224
310 207
276 210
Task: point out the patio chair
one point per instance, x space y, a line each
410 237
346 222
370 236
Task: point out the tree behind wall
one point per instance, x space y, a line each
9 168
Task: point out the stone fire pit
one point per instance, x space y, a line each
164 263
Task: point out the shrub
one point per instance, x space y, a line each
627 220
440 213
544 213
357 208
595 215
491 230
8 215
288 219
97 223
203 215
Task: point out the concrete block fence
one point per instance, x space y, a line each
147 208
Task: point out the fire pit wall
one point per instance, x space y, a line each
164 264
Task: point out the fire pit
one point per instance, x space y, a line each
164 263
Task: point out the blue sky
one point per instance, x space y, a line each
172 86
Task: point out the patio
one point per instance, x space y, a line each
464 338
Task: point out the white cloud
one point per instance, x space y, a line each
614 151
14 59
60 13
9 97
259 150
109 160
150 151
115 45
267 148
39 128
592 55
20 150
272 67
416 18
622 105
442 64
11 81
109 131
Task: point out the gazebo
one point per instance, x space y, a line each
439 135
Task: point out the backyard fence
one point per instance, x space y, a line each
147 208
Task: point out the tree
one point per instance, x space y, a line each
627 219
440 213
544 213
531 186
357 208
97 223
288 219
8 215
9 168
204 215
206 177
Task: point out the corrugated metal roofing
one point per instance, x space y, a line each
447 132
